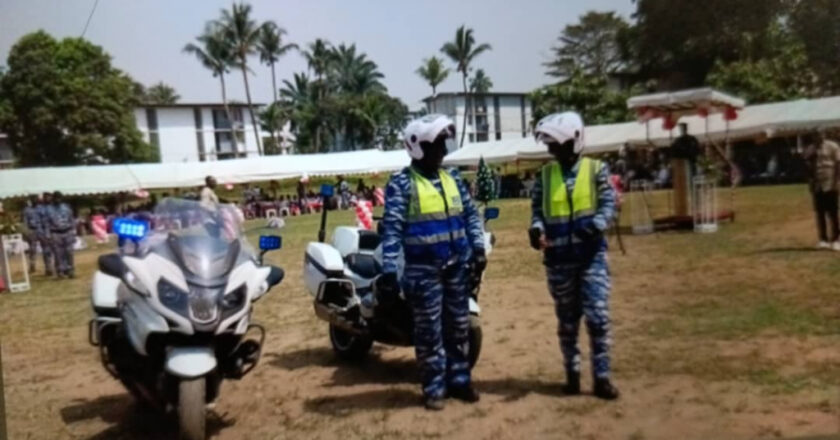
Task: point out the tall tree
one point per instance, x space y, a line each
62 103
591 46
161 93
271 47
319 56
815 22
588 95
243 33
462 51
434 73
679 41
785 74
214 52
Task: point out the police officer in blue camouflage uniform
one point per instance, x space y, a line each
43 209
572 205
431 220
63 235
35 235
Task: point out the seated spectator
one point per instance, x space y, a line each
283 207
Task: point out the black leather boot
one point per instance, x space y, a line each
572 385
604 389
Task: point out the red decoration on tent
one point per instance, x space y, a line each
703 112
730 114
668 122
645 114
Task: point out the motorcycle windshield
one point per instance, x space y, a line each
205 239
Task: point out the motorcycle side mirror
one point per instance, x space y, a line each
270 242
112 264
327 191
491 213
275 275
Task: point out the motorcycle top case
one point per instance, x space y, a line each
321 262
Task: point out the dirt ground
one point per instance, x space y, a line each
728 335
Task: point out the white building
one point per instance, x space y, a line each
498 116
198 132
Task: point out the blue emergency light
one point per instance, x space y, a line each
270 242
327 190
130 228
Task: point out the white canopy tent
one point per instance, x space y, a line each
98 179
764 120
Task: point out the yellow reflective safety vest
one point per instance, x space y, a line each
562 210
435 224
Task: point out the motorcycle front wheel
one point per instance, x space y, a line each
191 408
349 346
475 338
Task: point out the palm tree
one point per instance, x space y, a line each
161 93
462 51
271 120
434 73
319 56
354 73
242 33
480 83
213 52
271 48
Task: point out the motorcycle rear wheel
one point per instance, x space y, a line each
192 417
349 346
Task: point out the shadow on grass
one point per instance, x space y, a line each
372 370
514 389
781 250
129 420
347 404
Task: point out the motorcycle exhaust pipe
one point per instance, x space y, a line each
341 320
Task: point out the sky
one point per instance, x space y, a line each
145 38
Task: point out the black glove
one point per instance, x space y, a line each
588 231
387 287
534 234
479 261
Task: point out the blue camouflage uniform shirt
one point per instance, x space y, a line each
604 213
397 195
33 219
61 218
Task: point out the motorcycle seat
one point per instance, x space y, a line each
365 265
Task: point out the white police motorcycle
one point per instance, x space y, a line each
341 276
173 308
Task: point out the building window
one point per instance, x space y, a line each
152 124
199 135
227 137
482 127
522 113
497 118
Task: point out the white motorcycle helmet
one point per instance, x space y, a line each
561 128
428 129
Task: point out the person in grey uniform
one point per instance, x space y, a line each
34 216
62 234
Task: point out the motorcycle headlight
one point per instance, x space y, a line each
172 297
235 299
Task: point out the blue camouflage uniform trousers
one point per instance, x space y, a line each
440 301
63 237
582 289
37 235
